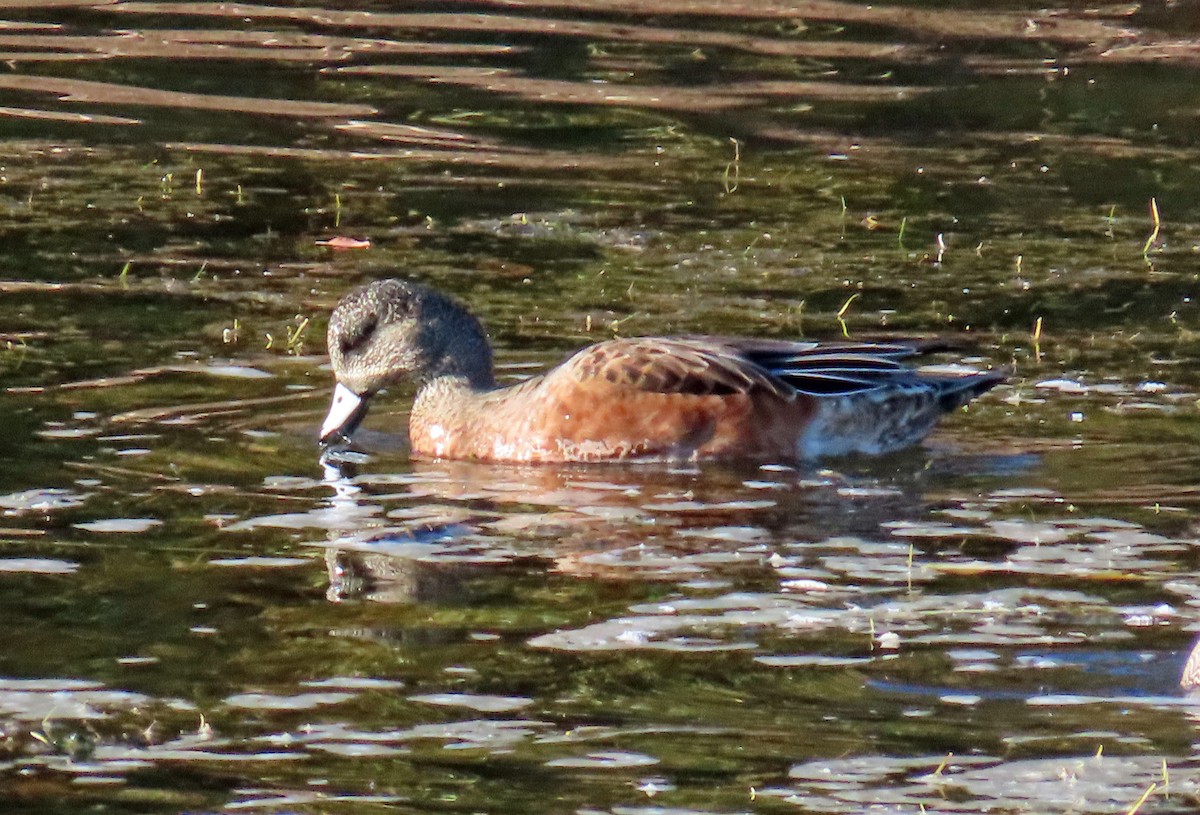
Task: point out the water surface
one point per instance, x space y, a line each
199 617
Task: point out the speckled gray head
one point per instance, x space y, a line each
390 330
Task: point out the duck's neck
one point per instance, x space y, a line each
454 382
459 355
450 392
443 413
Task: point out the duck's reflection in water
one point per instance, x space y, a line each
376 562
381 578
417 534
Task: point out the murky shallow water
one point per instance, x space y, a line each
199 617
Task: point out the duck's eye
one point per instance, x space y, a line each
358 335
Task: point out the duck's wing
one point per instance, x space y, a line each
685 365
725 365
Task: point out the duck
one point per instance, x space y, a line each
674 398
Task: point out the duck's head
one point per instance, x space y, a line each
390 330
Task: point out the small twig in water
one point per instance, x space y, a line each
757 238
615 325
295 335
846 305
735 166
800 316
1154 234
842 313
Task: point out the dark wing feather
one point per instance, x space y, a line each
827 368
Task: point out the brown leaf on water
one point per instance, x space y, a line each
344 242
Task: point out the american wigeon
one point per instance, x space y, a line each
637 398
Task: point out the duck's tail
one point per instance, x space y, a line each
892 415
958 390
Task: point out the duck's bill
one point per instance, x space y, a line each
345 414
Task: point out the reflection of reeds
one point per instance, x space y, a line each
1044 26
708 98
80 90
65 116
1048 26
206 410
273 46
502 24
